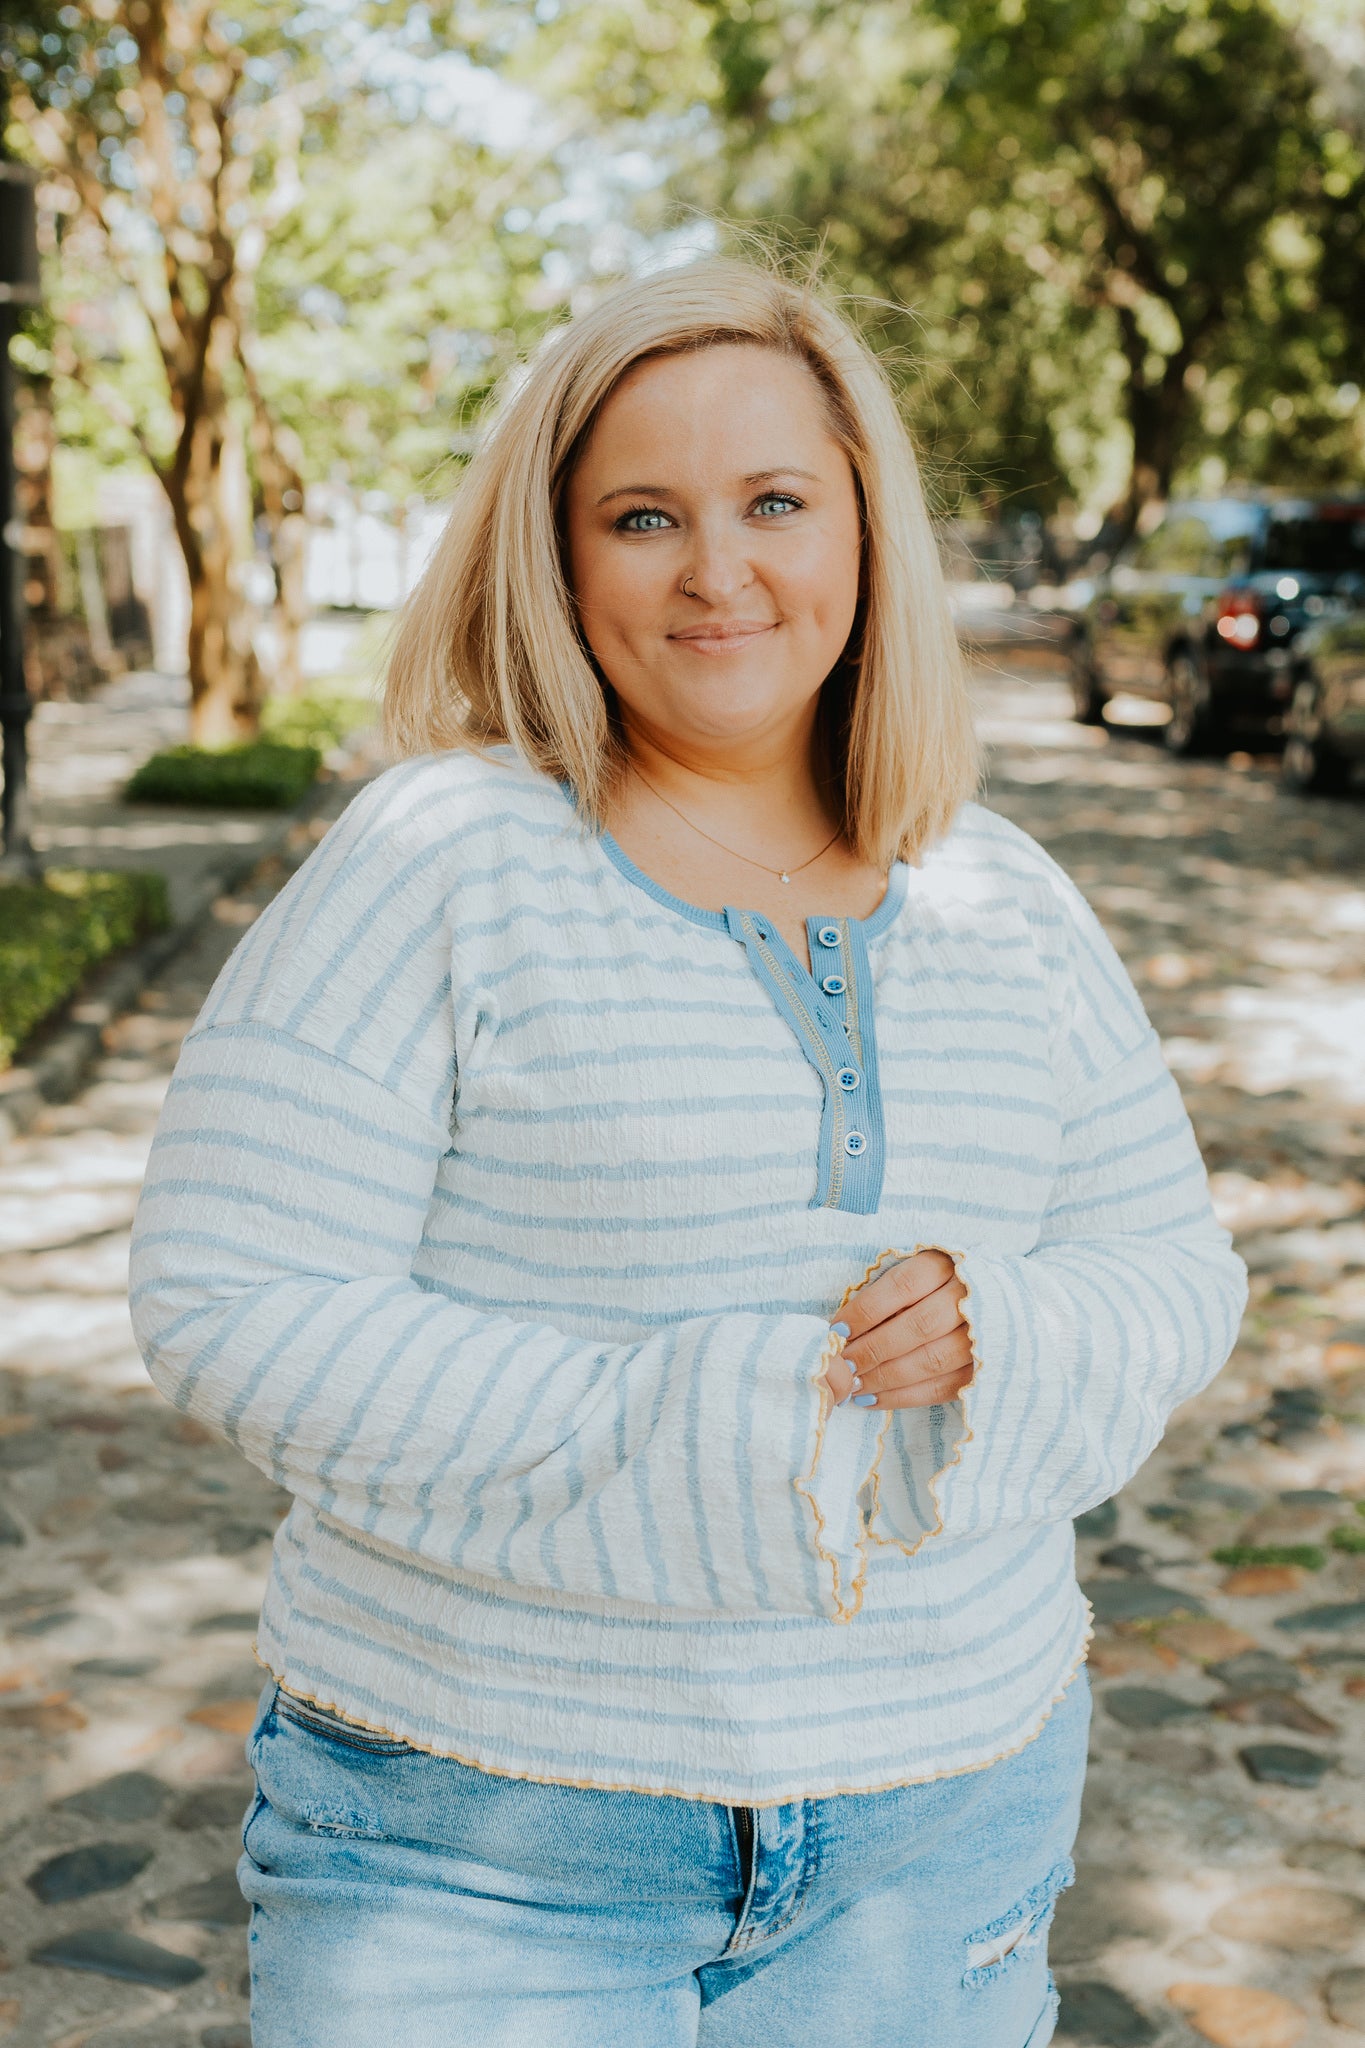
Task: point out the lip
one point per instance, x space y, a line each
723 639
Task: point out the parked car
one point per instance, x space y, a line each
1325 728
1203 612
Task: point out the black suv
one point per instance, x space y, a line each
1203 611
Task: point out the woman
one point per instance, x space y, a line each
690 1207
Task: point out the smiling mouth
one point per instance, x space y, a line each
722 639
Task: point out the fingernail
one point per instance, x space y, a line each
840 1329
864 1400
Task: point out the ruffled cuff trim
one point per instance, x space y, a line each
964 1435
844 1463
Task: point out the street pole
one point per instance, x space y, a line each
18 287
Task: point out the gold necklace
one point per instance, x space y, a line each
783 874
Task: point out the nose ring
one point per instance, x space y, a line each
686 580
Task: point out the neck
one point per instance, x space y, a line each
771 779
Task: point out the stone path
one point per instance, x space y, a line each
1222 1891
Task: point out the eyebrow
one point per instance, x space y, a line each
757 476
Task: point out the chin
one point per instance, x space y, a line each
731 706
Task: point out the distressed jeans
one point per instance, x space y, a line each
404 1897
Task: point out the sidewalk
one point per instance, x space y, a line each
1222 1849
81 756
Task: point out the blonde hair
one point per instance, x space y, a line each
489 650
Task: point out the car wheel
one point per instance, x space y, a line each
1309 766
1191 728
1087 696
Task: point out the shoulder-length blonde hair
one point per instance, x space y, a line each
489 649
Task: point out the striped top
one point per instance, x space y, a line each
498 1210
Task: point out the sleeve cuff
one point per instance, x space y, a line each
843 1461
919 1449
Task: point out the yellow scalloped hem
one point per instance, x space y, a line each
676 1792
965 1437
845 1609
848 1608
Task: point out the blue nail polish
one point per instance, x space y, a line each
839 1329
864 1400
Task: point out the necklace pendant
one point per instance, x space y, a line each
784 878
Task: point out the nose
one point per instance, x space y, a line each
718 567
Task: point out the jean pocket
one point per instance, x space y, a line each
253 1814
1018 1934
331 1727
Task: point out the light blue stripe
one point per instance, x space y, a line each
742 1654
269 1094
241 1143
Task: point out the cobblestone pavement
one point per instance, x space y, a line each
1222 1856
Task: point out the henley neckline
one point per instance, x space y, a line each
870 927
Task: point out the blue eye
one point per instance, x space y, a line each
642 519
781 499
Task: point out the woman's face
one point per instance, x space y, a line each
716 470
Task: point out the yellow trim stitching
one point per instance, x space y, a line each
967 1435
844 1611
720 1798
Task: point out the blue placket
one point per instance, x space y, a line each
830 1010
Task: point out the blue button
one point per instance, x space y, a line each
855 1144
849 1078
828 935
834 984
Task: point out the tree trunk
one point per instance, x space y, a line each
289 551
279 479
1157 413
206 485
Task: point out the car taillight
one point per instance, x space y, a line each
1241 617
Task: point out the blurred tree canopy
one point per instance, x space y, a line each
269 255
1105 240
1106 245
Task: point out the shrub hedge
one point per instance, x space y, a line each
259 775
54 931
322 718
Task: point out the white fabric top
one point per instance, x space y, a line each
498 1210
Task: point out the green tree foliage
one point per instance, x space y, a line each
1103 240
395 289
275 255
1171 165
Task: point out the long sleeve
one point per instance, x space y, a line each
274 1298
1128 1303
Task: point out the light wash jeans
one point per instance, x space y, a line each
405 1898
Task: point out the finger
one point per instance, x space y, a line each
931 1361
898 1287
841 1379
929 1394
934 1316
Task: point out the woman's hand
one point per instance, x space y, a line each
907 1345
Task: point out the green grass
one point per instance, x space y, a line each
259 775
1310 1555
54 931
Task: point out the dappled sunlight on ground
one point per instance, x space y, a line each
1222 1854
